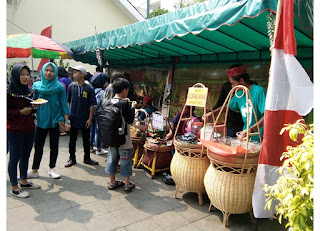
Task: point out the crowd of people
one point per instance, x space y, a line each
74 99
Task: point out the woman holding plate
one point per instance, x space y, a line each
49 115
20 129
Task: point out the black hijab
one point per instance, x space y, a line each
15 87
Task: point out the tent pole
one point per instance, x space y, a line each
32 66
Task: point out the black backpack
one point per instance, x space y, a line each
111 130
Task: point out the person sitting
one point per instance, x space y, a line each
183 124
147 104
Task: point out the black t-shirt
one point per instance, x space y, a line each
234 119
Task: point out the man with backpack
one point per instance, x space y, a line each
114 128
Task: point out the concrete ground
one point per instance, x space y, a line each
80 201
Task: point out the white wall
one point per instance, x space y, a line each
70 20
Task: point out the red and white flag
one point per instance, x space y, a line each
289 96
46 32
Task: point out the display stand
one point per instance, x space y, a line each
156 157
190 162
139 141
229 180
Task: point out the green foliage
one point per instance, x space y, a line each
294 188
61 63
271 17
186 3
158 12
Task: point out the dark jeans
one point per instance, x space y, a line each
20 146
85 140
41 135
94 134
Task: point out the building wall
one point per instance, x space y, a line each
70 20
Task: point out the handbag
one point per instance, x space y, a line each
62 128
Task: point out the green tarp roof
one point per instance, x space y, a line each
210 32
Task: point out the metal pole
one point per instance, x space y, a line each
148 8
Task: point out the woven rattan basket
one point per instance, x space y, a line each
230 193
188 167
229 180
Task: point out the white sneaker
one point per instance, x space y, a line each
21 193
53 174
93 149
31 175
102 152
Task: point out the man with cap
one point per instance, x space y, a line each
234 119
81 99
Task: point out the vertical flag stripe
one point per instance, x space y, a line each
289 97
285 38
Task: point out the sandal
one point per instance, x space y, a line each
118 184
130 187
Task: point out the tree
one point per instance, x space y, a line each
158 12
294 188
186 3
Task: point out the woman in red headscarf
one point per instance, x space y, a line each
147 103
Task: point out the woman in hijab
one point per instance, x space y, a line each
20 128
48 117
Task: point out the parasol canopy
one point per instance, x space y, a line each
24 45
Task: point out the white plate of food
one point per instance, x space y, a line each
39 101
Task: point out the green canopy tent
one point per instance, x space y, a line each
214 31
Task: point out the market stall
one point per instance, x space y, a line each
229 180
156 155
190 162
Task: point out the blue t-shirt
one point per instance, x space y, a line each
80 99
258 94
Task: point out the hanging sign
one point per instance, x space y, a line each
197 96
157 121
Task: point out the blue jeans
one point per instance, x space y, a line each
125 156
94 134
20 146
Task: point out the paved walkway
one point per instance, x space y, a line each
80 201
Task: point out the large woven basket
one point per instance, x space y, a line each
188 167
163 156
230 193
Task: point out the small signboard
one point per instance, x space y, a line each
197 96
157 121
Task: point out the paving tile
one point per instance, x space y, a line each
189 227
146 224
120 201
14 202
129 215
191 214
209 223
53 205
21 213
27 225
170 220
89 210
104 222
61 218
73 227
81 201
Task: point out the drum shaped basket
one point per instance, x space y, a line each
230 193
188 167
